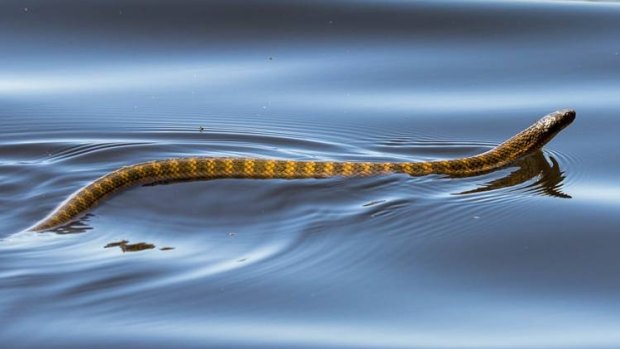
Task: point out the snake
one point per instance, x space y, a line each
82 201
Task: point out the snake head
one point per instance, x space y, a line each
555 122
549 125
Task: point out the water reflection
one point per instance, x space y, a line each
549 177
76 227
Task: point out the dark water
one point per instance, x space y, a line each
502 260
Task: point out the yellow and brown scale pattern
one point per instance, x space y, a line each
197 168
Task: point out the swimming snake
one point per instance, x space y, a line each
522 144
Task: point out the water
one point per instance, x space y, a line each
524 257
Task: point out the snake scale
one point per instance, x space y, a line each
200 168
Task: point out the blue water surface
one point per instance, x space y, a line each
524 257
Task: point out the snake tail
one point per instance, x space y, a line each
201 168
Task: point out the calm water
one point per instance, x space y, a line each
525 257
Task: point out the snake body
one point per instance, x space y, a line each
200 168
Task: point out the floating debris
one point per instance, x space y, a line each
114 244
127 247
137 247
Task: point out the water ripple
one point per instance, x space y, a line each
504 258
